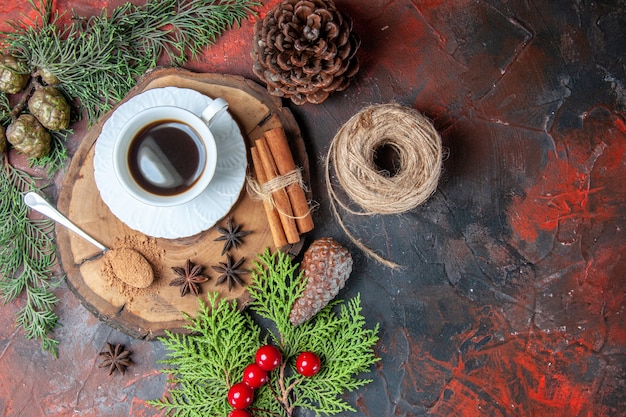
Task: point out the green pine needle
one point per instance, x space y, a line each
208 361
223 340
98 59
27 259
57 158
5 109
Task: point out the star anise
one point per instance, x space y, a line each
189 278
116 357
232 235
230 272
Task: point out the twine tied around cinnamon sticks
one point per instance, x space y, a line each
265 191
352 153
279 184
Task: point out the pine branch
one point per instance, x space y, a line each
274 290
27 258
99 59
5 109
223 342
57 158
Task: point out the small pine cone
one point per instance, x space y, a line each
50 107
327 266
29 137
13 78
48 76
304 50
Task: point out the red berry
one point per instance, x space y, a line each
254 376
240 395
308 364
240 413
268 357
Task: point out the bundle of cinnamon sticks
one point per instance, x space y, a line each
288 210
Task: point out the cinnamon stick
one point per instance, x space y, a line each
273 218
279 147
281 199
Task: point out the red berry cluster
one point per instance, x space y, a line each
255 375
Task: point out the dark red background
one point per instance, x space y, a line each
512 299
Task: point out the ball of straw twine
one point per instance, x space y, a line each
352 156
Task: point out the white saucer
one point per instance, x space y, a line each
187 219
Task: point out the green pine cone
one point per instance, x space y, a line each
50 107
12 78
47 76
29 137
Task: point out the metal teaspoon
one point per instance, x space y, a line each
38 203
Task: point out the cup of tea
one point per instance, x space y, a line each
166 155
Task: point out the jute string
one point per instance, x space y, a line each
264 191
411 136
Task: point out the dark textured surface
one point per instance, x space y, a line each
512 299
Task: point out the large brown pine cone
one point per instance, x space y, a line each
327 266
304 50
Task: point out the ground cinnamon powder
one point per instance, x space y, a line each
131 267
118 259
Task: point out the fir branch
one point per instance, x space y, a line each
5 109
223 341
27 258
344 345
38 317
57 158
333 337
273 300
206 362
98 59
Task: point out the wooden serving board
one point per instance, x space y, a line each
148 313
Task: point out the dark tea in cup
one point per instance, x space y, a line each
166 157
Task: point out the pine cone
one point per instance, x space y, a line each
50 107
28 136
304 50
47 76
327 266
13 77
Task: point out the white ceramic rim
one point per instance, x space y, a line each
137 122
200 213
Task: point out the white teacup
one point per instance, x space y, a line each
165 155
